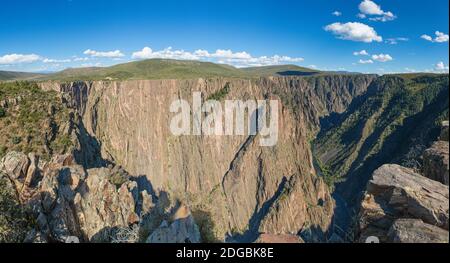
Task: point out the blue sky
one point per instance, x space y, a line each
396 35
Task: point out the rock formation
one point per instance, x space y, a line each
416 231
401 205
435 162
182 230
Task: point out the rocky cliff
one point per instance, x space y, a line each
242 187
394 122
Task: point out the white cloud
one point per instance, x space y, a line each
370 8
369 61
362 16
440 37
220 53
354 31
336 13
361 53
239 59
48 60
388 16
168 53
107 54
88 65
395 40
145 53
19 58
382 57
426 37
80 59
441 67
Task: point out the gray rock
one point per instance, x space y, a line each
34 236
436 162
33 170
416 231
405 192
182 230
397 192
15 165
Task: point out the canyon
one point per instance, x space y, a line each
222 188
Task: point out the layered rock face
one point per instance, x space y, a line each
245 188
435 162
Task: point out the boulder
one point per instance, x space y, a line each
435 162
416 231
397 192
182 230
15 165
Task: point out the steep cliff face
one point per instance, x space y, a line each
245 188
397 119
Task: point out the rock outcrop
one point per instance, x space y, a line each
182 229
68 201
436 163
396 192
416 231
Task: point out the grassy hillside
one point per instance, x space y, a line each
162 69
10 75
172 69
152 69
393 123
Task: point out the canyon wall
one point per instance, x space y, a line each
245 188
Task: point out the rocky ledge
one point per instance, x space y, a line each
401 205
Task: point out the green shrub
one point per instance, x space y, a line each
13 220
16 140
222 93
3 150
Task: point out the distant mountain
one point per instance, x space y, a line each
11 75
280 70
162 69
151 69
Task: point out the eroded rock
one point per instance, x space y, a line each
436 162
397 192
416 231
182 230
